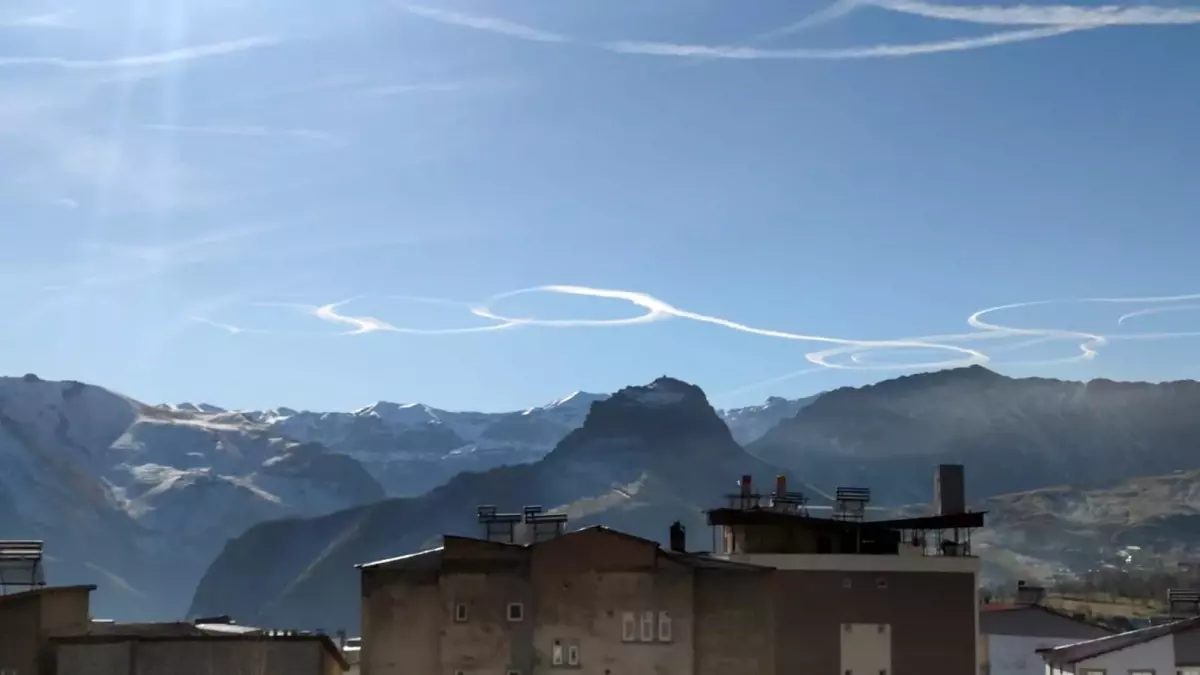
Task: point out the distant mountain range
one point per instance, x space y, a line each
140 498
653 454
643 458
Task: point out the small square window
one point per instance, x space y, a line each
881 583
556 654
647 627
847 583
664 626
516 611
628 627
573 655
460 612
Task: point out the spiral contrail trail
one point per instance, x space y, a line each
841 353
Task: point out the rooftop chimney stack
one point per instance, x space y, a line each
949 491
1030 594
780 486
745 483
678 537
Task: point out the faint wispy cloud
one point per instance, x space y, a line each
248 132
144 60
67 203
1045 15
57 19
875 51
739 52
484 23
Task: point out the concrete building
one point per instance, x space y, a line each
204 654
29 619
1014 632
1172 647
782 592
48 630
1167 648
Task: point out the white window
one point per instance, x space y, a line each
460 612
556 655
628 627
647 626
664 626
573 655
516 611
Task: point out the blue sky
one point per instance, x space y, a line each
190 189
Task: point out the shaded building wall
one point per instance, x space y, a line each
587 583
734 623
20 633
402 620
66 612
931 617
1187 648
192 657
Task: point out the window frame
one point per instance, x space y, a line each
520 616
556 653
629 627
572 651
461 613
647 632
664 622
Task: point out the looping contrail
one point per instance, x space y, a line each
842 353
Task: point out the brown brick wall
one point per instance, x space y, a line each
734 623
931 614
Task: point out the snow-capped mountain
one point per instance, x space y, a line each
410 448
753 422
139 498
645 456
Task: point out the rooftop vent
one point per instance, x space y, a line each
789 502
1183 603
544 526
1030 594
498 527
678 535
21 565
851 503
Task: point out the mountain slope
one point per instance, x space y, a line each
1012 434
1057 529
643 457
138 499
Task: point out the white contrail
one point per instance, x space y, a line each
871 52
742 52
370 324
1045 15
484 23
161 58
246 132
1156 310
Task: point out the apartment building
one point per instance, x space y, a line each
782 591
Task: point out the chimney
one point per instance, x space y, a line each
745 483
1029 594
781 485
949 491
678 537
